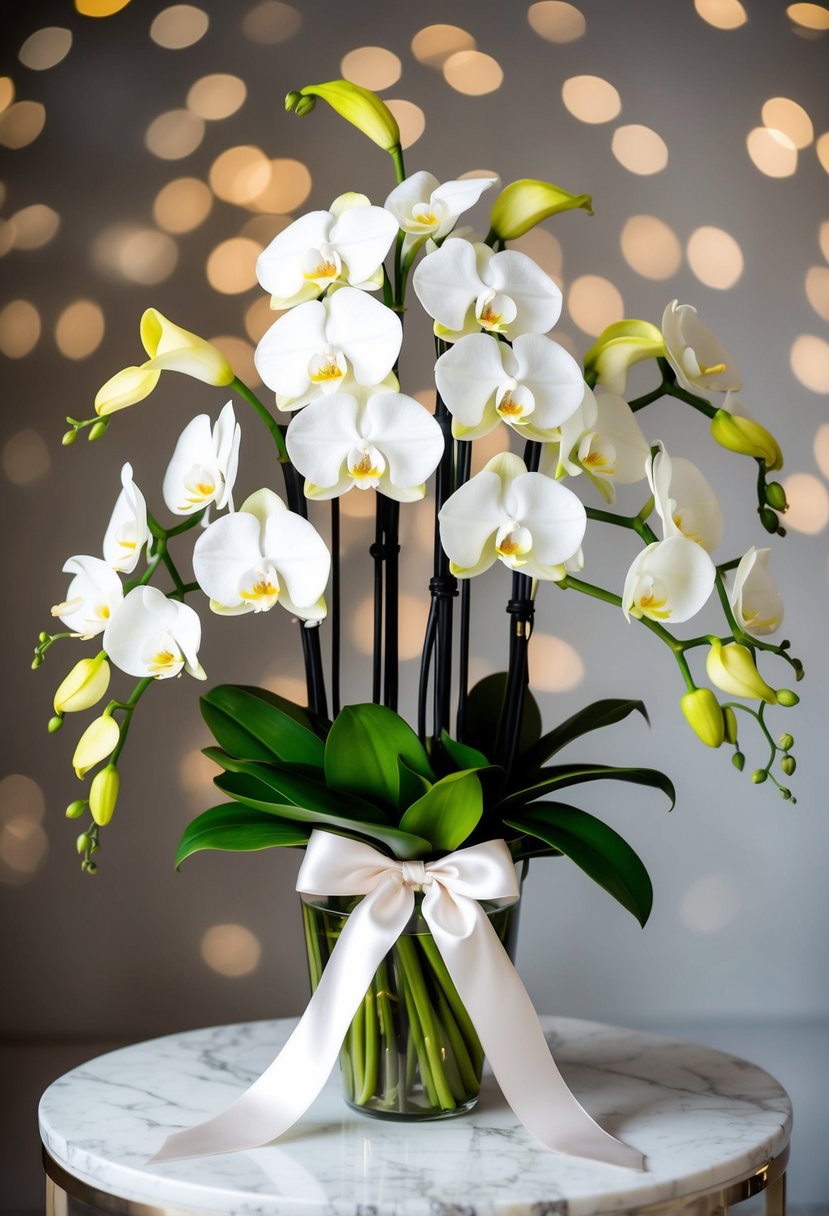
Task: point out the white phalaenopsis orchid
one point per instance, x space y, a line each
312 349
670 580
602 439
754 596
261 555
426 209
466 287
684 500
533 386
526 520
387 442
697 356
346 244
92 598
151 635
127 532
204 464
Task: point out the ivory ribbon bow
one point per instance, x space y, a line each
486 980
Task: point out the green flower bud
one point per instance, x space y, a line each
523 204
82 843
703 714
103 794
788 765
785 794
37 661
43 636
759 776
55 724
769 520
746 437
97 430
356 105
786 697
617 348
76 808
732 669
69 437
786 741
739 761
730 723
776 496
89 867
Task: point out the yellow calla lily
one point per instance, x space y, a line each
618 347
704 715
748 438
524 203
84 686
359 106
95 744
731 668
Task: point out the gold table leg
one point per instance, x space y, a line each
776 1197
57 1201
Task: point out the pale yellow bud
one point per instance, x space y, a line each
746 437
704 715
103 794
84 686
732 669
95 744
359 106
523 204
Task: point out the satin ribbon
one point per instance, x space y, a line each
487 982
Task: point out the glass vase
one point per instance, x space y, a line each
411 1051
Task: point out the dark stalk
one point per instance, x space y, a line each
336 607
377 552
443 585
463 467
310 637
392 551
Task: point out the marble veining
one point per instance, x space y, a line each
702 1118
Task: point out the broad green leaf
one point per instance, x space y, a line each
448 813
412 785
595 848
483 712
255 794
255 724
562 775
362 750
238 829
288 785
592 717
461 754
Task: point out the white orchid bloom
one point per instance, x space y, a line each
684 500
153 636
346 244
261 555
127 532
204 464
754 596
315 347
526 520
697 356
466 287
670 580
425 209
533 386
602 439
389 443
92 598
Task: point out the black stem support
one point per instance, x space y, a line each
310 636
336 607
443 586
462 471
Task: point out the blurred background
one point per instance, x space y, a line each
146 159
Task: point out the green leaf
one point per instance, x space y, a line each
237 829
362 750
461 754
448 813
255 724
255 794
595 848
483 712
592 717
288 785
412 785
562 775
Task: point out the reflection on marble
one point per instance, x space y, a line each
703 1119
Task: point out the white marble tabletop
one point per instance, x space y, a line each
704 1120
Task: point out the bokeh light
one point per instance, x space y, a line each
141 255
174 135
217 96
651 247
373 67
80 329
357 505
783 114
722 14
591 99
19 328
410 119
26 458
823 239
100 8
231 266
21 123
6 92
822 149
413 611
259 318
231 950
808 501
715 257
809 16
772 152
239 354
287 188
556 21
554 664
24 847
490 445
182 205
263 228
594 303
433 45
809 358
817 290
544 249
7 235
45 48
34 226
238 175
639 149
710 903
179 26
473 73
196 772
271 22
821 448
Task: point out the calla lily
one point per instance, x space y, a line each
127 531
261 555
617 348
346 244
525 520
92 598
698 357
523 204
466 287
204 464
602 439
95 744
390 443
533 386
754 596
154 636
425 209
743 435
670 580
169 348
355 104
704 715
84 686
684 501
732 669
315 347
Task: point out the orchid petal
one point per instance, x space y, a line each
368 333
468 375
363 236
469 520
285 351
669 580
458 196
407 435
447 283
755 597
172 348
125 388
415 189
321 436
93 596
552 513
300 556
279 267
553 377
223 555
537 297
697 356
127 532
154 636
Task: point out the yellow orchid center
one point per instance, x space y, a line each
716 369
324 270
366 465
162 661
509 408
263 589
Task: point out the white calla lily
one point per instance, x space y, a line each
754 595
93 597
346 244
152 636
670 580
466 287
697 356
602 439
127 532
684 500
526 520
315 347
533 386
261 555
424 208
204 464
389 442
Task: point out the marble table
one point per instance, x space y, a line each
715 1130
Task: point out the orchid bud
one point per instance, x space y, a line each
84 686
69 437
788 765
82 843
97 431
786 741
776 496
746 437
103 794
55 724
730 724
95 744
76 809
703 714
731 668
617 348
759 776
523 204
359 106
739 761
786 697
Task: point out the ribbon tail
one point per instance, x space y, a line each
513 1042
295 1078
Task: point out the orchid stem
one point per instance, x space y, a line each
264 413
